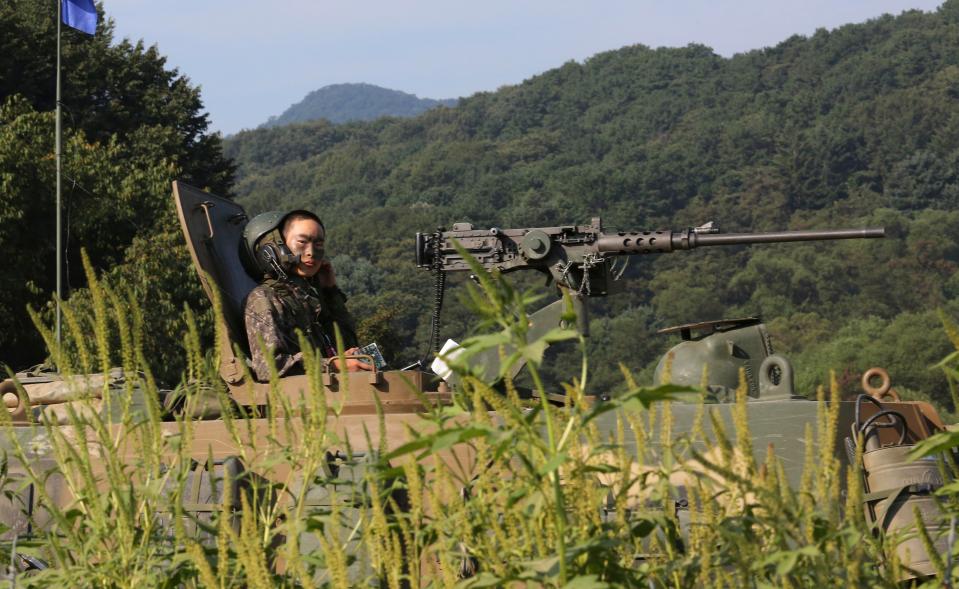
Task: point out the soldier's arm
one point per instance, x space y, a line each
262 326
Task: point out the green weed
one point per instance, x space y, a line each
492 490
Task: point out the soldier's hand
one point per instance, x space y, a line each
326 275
352 364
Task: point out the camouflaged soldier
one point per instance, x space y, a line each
297 292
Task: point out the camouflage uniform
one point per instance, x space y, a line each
276 309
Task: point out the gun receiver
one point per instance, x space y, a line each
581 257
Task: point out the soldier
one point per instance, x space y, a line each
297 292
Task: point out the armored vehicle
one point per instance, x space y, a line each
375 409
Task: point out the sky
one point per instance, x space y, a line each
254 58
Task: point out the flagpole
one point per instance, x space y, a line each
59 153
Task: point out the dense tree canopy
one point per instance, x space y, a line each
131 125
851 127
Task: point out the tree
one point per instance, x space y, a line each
131 126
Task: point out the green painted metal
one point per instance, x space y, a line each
716 354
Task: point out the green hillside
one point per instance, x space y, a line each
851 127
341 103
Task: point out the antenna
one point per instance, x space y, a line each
58 154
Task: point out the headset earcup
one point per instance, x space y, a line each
272 256
266 259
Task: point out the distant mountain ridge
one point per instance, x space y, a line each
341 103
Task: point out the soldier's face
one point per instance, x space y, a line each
306 239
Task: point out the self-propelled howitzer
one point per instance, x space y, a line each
582 258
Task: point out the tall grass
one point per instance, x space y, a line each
497 489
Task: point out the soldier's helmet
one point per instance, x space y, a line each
256 229
262 250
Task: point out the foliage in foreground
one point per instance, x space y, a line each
531 495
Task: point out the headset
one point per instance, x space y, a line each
277 259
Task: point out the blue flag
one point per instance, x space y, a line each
81 15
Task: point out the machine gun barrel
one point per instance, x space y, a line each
649 242
703 240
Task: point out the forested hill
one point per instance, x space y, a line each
639 134
851 127
341 103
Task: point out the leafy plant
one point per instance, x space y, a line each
495 489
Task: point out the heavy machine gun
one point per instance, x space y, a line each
580 259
